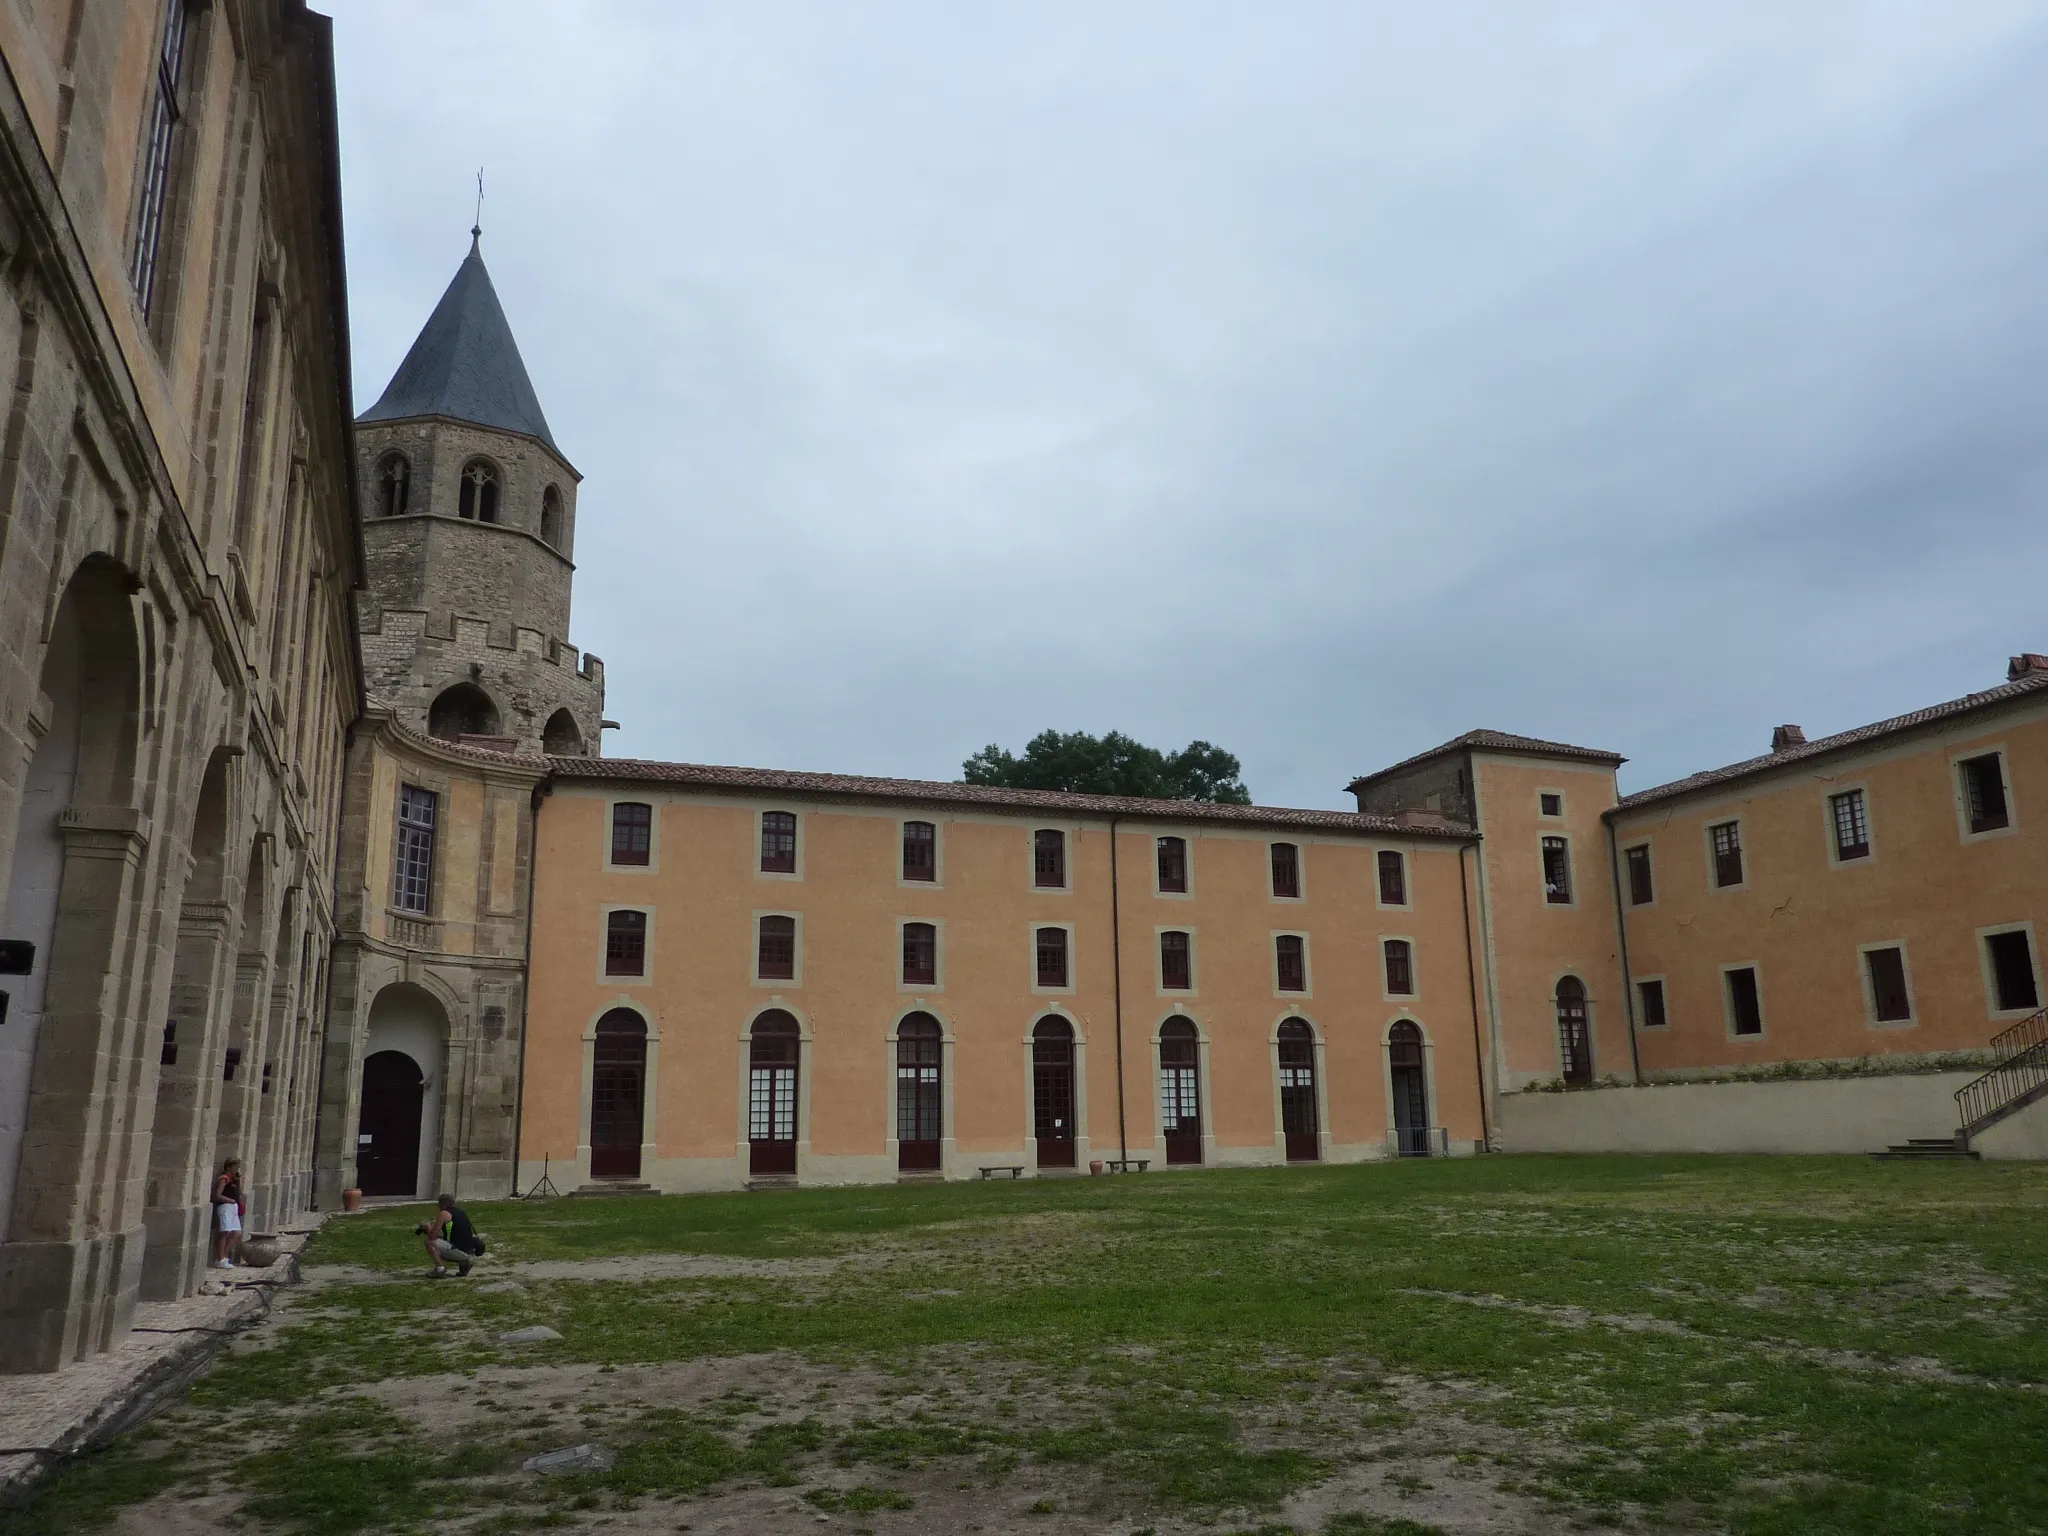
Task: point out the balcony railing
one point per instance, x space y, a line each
1419 1141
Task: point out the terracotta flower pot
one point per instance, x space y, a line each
259 1250
351 1199
1095 1165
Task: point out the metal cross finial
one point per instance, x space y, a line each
476 230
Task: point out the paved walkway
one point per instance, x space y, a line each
90 1402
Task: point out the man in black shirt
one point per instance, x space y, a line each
450 1238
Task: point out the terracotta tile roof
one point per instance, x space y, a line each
938 792
1493 741
2030 682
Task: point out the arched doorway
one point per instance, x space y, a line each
1410 1081
773 1056
618 1094
409 1021
1574 1039
920 1093
1052 1091
1300 1120
388 1130
464 710
1180 1090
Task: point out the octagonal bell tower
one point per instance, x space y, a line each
469 525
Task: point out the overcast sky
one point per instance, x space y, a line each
1321 380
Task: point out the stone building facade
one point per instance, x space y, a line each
469 517
178 668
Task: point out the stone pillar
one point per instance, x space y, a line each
178 1215
341 1069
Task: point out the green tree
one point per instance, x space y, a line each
1114 764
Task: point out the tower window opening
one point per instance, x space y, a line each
479 492
551 517
394 486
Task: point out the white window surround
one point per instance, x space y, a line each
1414 994
1870 1017
1763 1013
776 874
743 1146
650 1077
938 982
1956 759
1991 1009
1665 983
794 980
1563 804
1300 846
1073 962
938 879
1070 837
1159 987
653 864
1187 842
1308 969
1707 842
1827 823
1407 878
604 914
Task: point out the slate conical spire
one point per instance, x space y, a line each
465 363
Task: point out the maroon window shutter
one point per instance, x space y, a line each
778 843
1286 870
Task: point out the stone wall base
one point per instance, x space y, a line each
60 1302
179 1244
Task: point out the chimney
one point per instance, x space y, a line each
1783 736
2026 664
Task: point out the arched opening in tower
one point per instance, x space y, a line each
464 710
562 738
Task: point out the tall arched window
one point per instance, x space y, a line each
551 517
920 1093
773 1057
394 486
1299 1117
1411 1088
1180 1090
1052 1091
479 492
618 1083
1574 1040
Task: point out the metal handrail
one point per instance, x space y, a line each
2005 1083
2028 1032
1420 1141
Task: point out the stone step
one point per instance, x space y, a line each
612 1187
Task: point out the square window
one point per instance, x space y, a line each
1642 890
1551 804
1851 821
1745 1002
1557 871
2012 970
1888 998
1726 837
1984 792
1652 995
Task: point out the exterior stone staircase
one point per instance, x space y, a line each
1923 1149
2020 1079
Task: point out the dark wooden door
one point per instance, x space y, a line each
1180 1091
388 1131
618 1092
773 1059
920 1094
1052 1092
1411 1090
1299 1117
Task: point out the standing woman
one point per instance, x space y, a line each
227 1213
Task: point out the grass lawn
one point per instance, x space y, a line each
1501 1344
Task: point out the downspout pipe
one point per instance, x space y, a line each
1628 980
1472 984
541 791
1116 966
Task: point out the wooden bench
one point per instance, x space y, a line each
1014 1170
1126 1164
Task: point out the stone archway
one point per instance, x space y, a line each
402 1094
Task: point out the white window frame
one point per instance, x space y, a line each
1187 845
1073 961
1407 879
1300 847
1563 805
796 977
1067 842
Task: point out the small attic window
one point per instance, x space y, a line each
479 491
394 485
551 517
